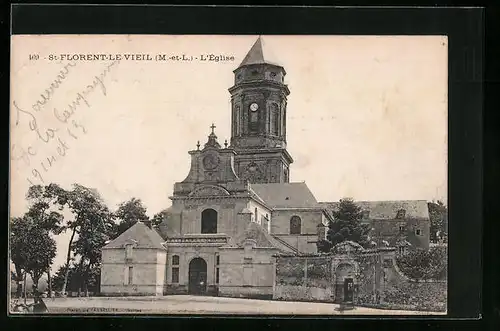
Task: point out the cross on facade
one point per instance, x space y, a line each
212 127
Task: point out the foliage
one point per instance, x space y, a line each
92 221
40 252
422 264
346 226
75 278
324 246
32 249
159 217
19 231
438 214
41 218
417 296
94 231
42 201
129 212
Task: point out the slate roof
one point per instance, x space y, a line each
141 234
388 209
286 195
258 54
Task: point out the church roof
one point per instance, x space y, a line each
258 54
259 234
286 195
141 235
388 209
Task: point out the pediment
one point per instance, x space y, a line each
209 190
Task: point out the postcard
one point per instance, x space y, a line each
228 174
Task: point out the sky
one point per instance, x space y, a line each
366 116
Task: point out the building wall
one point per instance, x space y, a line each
186 254
147 275
306 241
246 272
271 166
189 220
261 213
280 223
389 230
303 243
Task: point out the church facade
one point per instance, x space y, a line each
235 210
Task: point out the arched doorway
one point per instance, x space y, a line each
345 282
197 276
209 221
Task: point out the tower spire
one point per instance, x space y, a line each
258 54
258 125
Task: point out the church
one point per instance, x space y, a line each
237 209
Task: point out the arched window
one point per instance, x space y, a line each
275 120
237 120
254 121
209 221
295 224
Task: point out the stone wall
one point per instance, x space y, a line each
185 215
368 291
304 279
280 221
148 266
406 293
389 230
303 243
262 213
378 282
246 272
185 255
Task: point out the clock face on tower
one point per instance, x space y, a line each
210 161
254 107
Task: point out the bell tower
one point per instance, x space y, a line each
258 119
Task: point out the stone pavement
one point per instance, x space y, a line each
186 304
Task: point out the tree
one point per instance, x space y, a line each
346 226
438 214
324 246
92 237
32 250
159 217
39 211
75 276
129 212
423 264
40 251
19 232
92 221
